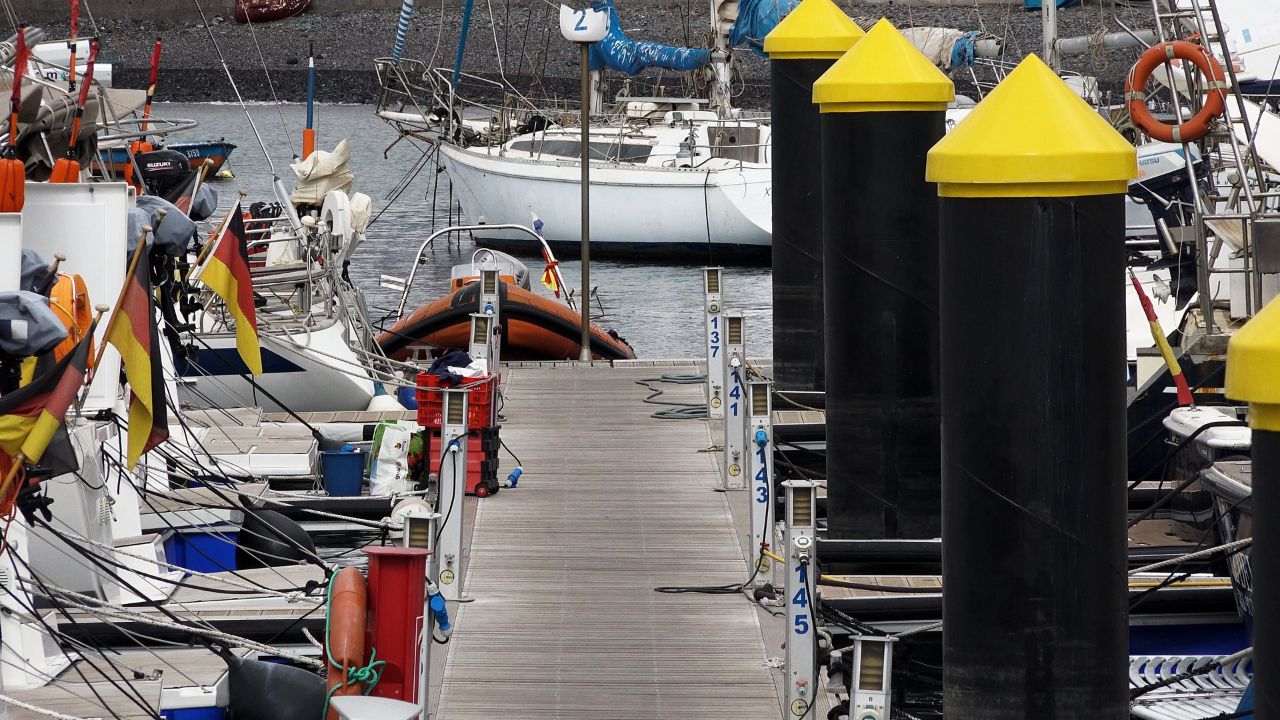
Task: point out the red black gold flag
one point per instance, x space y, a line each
31 415
226 272
133 332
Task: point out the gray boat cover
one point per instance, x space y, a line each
34 270
173 235
27 324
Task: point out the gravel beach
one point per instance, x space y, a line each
520 39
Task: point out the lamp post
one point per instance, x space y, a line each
585 27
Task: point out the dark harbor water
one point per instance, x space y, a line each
656 306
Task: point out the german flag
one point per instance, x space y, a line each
226 272
133 331
31 415
183 196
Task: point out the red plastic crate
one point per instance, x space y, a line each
481 466
480 407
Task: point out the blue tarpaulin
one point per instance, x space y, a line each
618 52
1035 4
755 19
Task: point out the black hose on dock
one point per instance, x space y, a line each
1033 405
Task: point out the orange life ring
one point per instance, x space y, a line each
69 300
348 601
1136 97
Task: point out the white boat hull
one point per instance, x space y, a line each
635 210
313 372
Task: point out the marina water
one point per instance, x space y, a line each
656 306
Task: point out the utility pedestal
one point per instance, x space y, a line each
760 470
800 676
714 305
452 485
735 414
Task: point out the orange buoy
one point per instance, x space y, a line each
1214 100
345 637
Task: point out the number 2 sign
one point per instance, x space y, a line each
583 26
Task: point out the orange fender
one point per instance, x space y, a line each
348 607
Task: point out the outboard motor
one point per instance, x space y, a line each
164 171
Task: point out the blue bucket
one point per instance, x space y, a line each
343 472
408 397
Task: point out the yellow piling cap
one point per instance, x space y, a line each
814 30
1032 136
1253 367
883 72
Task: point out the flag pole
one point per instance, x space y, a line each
18 461
115 313
84 393
195 189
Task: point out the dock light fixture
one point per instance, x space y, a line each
871 682
481 345
715 340
735 402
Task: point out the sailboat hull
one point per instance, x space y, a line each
311 372
636 210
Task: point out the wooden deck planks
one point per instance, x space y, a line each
565 622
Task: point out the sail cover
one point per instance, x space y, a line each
755 19
618 52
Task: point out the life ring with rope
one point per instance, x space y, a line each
1214 99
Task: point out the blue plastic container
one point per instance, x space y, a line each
343 472
408 397
202 552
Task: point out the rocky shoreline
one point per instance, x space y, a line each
519 39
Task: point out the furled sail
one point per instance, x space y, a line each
618 52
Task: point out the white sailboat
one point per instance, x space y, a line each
669 176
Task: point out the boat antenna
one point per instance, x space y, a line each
309 132
270 85
222 59
71 46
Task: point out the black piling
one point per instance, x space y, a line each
1252 358
807 41
883 105
1035 622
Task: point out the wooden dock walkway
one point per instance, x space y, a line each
565 622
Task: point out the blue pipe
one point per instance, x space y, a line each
402 29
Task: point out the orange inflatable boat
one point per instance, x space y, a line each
533 327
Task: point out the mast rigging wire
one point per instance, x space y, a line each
271 86
222 59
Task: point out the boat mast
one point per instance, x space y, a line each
1049 23
723 15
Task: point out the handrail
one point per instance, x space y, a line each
417 258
